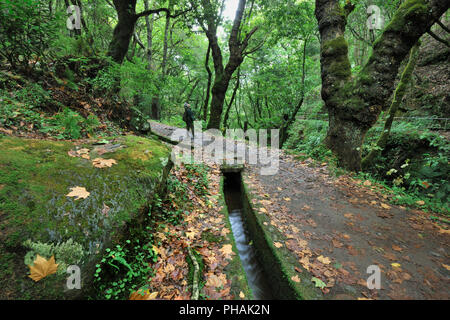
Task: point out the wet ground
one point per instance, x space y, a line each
338 227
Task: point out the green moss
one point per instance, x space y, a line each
409 10
36 176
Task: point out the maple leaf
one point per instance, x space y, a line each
103 163
42 268
78 192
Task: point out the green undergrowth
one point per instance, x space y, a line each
35 177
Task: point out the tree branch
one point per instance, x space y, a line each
436 37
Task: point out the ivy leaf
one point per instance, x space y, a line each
42 268
319 283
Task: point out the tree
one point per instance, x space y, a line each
209 19
354 102
126 12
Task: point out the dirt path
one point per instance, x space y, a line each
338 227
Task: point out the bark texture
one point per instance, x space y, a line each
354 103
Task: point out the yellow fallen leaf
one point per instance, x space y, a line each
324 260
42 268
396 265
385 206
227 250
446 266
263 210
287 199
78 193
420 202
241 295
278 244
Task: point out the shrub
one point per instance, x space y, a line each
26 30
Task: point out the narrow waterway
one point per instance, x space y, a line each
247 251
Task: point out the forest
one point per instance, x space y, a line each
96 97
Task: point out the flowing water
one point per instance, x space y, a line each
247 251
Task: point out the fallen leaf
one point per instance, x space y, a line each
397 248
446 266
78 192
420 202
324 260
278 244
385 206
103 163
227 250
396 265
367 183
143 295
241 295
296 279
42 268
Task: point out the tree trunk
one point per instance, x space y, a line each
354 103
208 87
398 97
126 11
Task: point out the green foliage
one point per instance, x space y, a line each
415 163
307 137
123 269
66 253
26 31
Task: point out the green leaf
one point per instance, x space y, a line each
319 283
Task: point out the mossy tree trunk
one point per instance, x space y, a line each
355 102
398 97
209 21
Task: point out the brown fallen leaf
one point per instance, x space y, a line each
241 295
397 248
143 295
78 193
103 163
296 279
227 250
42 268
385 206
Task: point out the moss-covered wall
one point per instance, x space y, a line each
279 264
36 176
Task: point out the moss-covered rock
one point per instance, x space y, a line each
36 176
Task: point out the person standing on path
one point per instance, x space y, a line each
189 118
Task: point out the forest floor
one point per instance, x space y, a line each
336 227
